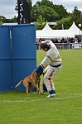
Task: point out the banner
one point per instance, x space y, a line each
23 12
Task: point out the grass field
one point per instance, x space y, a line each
66 108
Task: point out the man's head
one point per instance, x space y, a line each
45 46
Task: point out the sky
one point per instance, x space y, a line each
7 7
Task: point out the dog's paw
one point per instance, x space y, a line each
40 92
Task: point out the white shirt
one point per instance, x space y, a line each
52 55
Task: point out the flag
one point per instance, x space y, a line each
23 12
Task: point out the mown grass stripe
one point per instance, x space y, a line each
36 100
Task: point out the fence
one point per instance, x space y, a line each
65 46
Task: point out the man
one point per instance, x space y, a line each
50 66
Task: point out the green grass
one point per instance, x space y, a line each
66 108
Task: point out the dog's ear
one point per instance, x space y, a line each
38 75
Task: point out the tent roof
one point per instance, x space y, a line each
54 34
47 32
47 27
75 29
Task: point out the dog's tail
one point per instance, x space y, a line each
19 84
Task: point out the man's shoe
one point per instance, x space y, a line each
51 95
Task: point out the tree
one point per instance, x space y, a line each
14 19
51 12
40 23
76 16
61 11
46 12
65 22
44 8
2 19
44 2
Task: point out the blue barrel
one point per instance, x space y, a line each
23 52
5 59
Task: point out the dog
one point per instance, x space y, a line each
31 81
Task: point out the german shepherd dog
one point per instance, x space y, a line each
31 81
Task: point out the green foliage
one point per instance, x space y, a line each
1 22
14 19
57 13
46 3
66 108
61 11
2 19
45 11
66 23
40 23
76 13
73 17
48 10
51 13
76 16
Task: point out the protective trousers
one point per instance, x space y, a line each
49 74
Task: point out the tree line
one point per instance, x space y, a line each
45 11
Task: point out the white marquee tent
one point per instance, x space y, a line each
54 34
47 32
47 27
75 29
